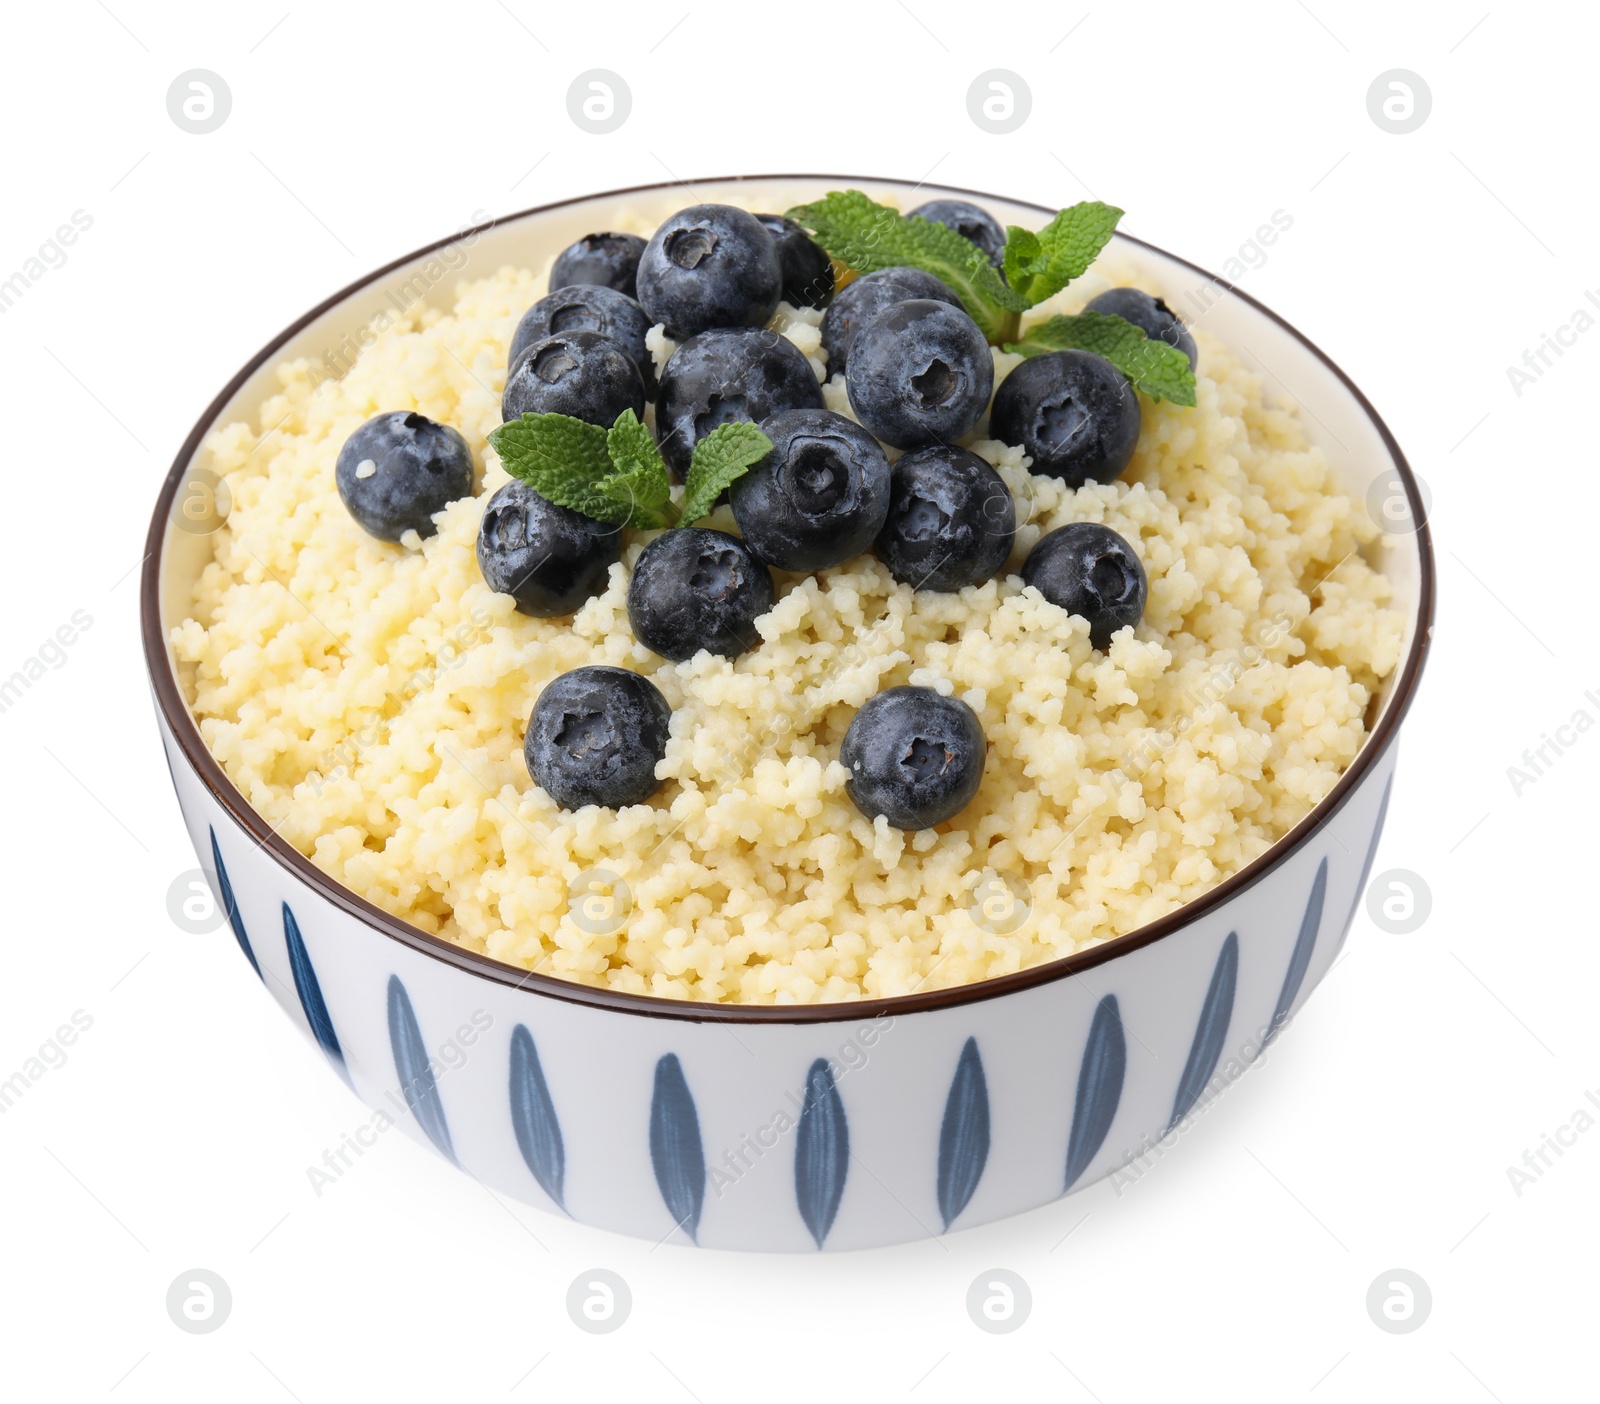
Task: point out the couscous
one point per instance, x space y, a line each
370 699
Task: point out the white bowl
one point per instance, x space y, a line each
794 1127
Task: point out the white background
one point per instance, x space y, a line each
1378 1132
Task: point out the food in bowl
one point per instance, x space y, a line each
1170 662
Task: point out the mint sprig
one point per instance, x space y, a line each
561 458
617 475
720 459
1039 265
638 479
866 236
1155 367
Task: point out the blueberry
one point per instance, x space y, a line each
398 469
914 757
920 373
951 520
860 300
590 307
1092 572
970 222
807 269
549 559
710 266
580 373
1073 412
599 260
725 375
819 497
695 589
595 737
1150 314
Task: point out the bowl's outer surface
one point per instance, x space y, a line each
845 1126
1038 1093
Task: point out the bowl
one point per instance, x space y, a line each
790 1128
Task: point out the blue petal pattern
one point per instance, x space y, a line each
415 1071
822 1151
1105 1060
311 1000
1211 1033
533 1116
232 908
1300 957
964 1134
1366 867
675 1149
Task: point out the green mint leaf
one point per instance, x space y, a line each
1040 265
1021 254
720 459
1160 370
629 497
633 449
866 236
638 480
560 458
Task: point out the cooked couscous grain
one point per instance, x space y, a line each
370 700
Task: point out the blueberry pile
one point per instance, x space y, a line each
919 376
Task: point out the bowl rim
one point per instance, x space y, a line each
174 711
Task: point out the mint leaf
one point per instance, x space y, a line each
638 480
1040 265
866 236
1021 253
720 459
616 475
560 458
634 501
632 447
1160 370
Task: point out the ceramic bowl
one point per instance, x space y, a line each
798 1127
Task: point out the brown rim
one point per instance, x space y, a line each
178 719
